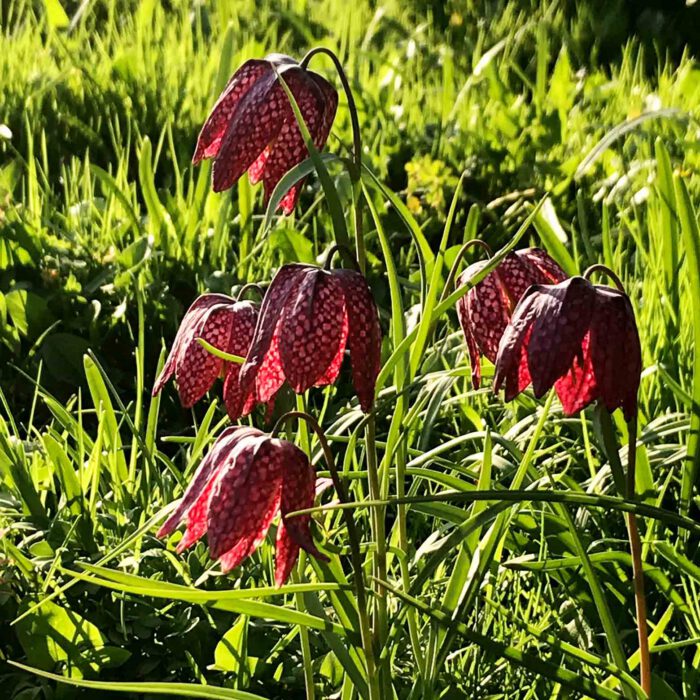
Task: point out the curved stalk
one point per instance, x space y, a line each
356 167
455 265
606 271
347 256
247 287
360 592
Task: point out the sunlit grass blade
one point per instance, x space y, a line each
187 690
691 242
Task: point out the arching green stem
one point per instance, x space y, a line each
355 555
606 271
356 166
475 242
347 256
248 287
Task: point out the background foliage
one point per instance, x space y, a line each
107 234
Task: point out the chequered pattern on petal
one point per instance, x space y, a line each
289 147
245 316
245 500
330 98
581 339
215 458
262 368
364 336
564 314
311 329
486 309
270 375
238 404
331 374
252 126
298 492
255 171
189 327
214 128
546 269
518 376
286 554
319 129
463 317
616 354
577 388
472 347
242 484
511 361
197 369
256 121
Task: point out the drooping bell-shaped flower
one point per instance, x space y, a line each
485 310
226 324
252 126
307 319
580 338
242 484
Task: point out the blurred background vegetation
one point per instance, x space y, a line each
512 93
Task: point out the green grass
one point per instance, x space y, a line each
106 235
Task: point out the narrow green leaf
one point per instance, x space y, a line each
691 242
55 14
187 690
619 131
335 208
237 359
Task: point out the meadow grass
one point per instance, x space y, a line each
508 573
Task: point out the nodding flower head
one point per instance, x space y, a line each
226 324
307 319
252 126
484 312
242 484
580 338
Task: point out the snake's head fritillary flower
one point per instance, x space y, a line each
484 312
243 483
580 338
252 126
226 324
307 319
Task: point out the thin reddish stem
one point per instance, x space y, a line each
637 567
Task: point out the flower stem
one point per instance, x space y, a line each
356 166
347 256
606 271
249 287
637 570
355 555
475 242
